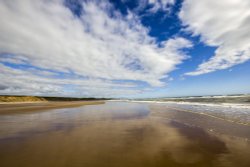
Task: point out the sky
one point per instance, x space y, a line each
124 48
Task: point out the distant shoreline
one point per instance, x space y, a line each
32 99
238 99
21 107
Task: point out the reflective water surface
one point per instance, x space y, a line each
119 134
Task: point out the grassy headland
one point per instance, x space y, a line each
8 98
20 104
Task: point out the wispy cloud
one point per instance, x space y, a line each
163 5
37 82
100 47
153 6
224 24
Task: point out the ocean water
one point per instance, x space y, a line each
233 112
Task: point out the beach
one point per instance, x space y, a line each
21 107
120 133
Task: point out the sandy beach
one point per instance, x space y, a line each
20 107
117 133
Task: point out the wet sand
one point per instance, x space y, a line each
120 134
20 107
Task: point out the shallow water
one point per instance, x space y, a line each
120 134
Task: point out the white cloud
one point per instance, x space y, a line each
153 6
36 82
224 24
101 45
160 5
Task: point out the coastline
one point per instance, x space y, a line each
20 107
234 113
231 105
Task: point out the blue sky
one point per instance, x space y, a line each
126 48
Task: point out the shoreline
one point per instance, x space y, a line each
231 105
218 111
23 102
21 107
